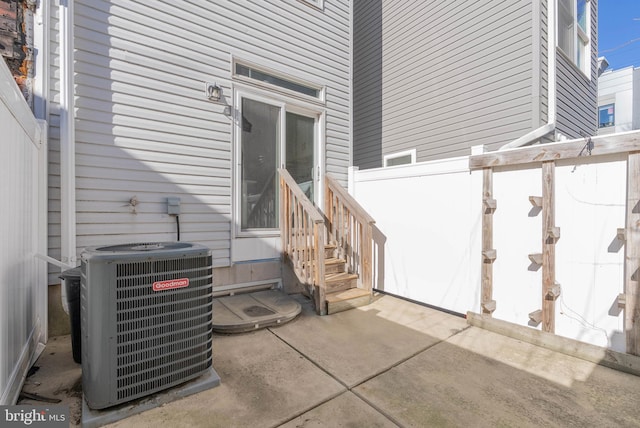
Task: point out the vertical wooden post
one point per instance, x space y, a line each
632 256
321 299
548 247
487 302
367 255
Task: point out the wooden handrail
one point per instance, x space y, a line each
302 230
349 200
350 228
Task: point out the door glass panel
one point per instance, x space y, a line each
300 151
259 147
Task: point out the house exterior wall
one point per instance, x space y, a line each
440 77
636 96
617 88
144 128
443 78
577 93
622 89
54 215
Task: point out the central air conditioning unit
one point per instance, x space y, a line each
146 313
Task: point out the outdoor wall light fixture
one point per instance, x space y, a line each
213 91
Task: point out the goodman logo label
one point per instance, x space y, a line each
170 284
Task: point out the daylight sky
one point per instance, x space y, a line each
619 32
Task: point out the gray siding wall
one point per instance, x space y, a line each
441 77
577 94
145 129
544 62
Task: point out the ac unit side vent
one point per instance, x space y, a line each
162 266
201 332
179 330
154 370
159 384
130 357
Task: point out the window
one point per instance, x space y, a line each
400 158
606 115
272 132
257 75
573 32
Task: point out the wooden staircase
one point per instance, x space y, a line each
340 277
342 286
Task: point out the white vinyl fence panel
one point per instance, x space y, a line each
431 216
23 311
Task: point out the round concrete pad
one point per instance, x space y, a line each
251 311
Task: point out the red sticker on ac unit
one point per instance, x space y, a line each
170 284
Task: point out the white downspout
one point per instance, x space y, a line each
550 126
67 140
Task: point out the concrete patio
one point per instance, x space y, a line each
392 363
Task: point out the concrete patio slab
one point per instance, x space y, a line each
460 383
412 366
438 324
360 343
346 410
264 383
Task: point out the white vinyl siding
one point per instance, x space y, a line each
144 127
53 241
444 78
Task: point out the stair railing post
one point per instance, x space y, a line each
321 303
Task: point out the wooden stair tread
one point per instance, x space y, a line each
340 276
344 300
330 261
351 293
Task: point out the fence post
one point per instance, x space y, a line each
632 256
487 304
549 238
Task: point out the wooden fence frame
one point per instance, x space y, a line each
545 156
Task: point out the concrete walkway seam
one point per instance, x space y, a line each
351 388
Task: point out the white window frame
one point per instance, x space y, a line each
319 100
578 34
387 158
600 107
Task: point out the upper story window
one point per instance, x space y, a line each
606 115
263 76
573 32
400 158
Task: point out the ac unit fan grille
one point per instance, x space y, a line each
163 337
